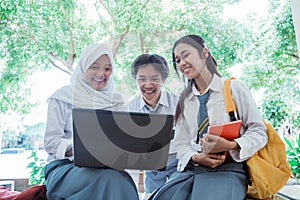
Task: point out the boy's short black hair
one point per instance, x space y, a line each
157 61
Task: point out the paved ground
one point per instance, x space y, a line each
291 192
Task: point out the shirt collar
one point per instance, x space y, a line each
215 85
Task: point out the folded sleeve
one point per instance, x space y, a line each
253 133
182 142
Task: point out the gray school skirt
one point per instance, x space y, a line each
66 181
225 182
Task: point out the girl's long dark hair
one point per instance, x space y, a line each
198 43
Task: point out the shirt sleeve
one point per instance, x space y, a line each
58 135
182 142
253 134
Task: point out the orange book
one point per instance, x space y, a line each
229 131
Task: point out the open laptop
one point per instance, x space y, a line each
121 140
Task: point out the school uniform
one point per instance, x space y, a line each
64 180
166 105
228 180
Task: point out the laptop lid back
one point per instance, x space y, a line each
121 140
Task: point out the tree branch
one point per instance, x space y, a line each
70 60
288 68
167 32
105 8
117 44
65 63
294 55
145 4
51 61
142 43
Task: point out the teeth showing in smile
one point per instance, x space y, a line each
99 80
184 70
149 91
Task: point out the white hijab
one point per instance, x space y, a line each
79 93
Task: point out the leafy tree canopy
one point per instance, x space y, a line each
272 64
39 35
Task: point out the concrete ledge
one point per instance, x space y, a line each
290 192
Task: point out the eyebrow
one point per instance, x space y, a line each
182 52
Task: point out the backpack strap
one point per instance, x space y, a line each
230 107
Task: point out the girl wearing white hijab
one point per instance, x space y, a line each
91 86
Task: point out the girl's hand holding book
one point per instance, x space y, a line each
215 144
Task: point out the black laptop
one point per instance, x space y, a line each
121 140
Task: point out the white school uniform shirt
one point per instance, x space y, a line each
253 131
59 130
166 105
58 137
